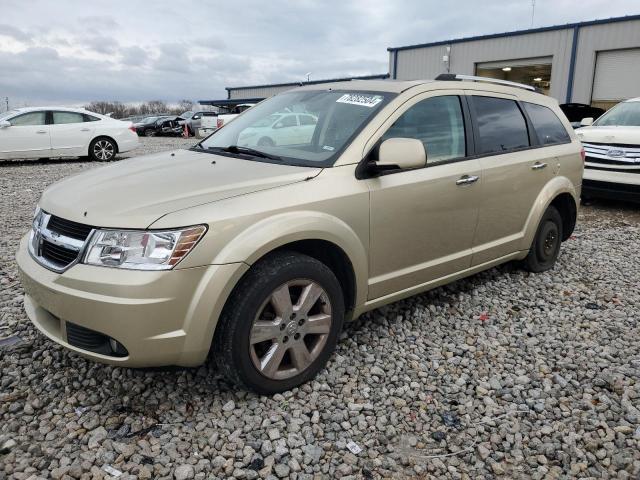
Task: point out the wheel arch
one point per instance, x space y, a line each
560 193
98 137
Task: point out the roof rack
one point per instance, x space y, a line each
458 77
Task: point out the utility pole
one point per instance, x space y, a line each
6 101
533 11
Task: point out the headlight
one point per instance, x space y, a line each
141 249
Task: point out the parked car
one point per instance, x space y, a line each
612 146
161 126
575 112
224 118
147 126
280 129
194 119
256 256
47 132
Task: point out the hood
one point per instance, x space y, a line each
136 192
610 135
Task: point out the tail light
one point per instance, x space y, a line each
219 123
583 154
132 128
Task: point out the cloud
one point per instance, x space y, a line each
15 33
73 51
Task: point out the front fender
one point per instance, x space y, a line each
556 186
274 232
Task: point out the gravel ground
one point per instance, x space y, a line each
504 374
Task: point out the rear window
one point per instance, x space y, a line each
547 125
67 117
501 125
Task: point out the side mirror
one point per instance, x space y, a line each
5 124
195 117
278 125
401 153
586 122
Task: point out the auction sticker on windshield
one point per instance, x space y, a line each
360 99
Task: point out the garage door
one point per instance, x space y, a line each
617 75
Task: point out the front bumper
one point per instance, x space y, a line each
611 185
161 318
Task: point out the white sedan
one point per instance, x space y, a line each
280 129
48 132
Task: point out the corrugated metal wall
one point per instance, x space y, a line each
260 92
426 62
593 39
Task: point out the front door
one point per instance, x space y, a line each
27 137
423 221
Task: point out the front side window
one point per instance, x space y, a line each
271 127
31 118
500 124
625 114
438 123
60 118
547 125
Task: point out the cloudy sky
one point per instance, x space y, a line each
72 51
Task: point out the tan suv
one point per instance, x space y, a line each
257 256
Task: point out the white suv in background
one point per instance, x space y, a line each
612 147
47 132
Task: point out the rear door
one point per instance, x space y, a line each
27 137
514 171
70 134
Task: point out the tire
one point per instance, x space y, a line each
149 132
546 244
102 149
266 142
251 329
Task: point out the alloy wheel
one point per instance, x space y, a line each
103 150
290 329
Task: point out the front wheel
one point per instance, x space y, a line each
546 245
280 325
102 149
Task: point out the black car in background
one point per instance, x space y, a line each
156 126
575 112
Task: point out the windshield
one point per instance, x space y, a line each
308 128
625 114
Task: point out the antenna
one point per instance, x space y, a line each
533 11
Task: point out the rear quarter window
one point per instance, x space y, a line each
546 124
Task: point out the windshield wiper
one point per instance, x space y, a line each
247 151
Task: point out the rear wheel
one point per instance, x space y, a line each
281 324
546 245
102 149
149 132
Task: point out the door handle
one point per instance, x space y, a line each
467 180
538 166
84 129
41 131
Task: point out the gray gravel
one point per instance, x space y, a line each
502 374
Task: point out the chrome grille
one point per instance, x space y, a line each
56 243
612 157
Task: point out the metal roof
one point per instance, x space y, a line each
626 18
312 82
229 103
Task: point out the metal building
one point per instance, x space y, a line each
264 91
595 62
